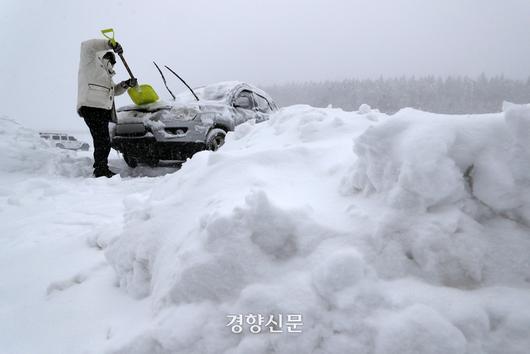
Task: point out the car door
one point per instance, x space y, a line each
64 141
263 108
72 142
244 106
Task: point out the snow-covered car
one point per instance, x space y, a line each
64 141
192 122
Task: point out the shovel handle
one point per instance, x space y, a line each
109 34
106 32
126 66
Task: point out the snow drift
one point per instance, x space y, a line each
417 242
23 151
420 160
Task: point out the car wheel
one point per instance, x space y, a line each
215 139
60 146
130 161
85 147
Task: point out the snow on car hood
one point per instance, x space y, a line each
214 102
157 114
209 95
163 113
213 98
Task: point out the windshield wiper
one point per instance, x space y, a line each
184 82
164 79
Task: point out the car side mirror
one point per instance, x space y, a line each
242 102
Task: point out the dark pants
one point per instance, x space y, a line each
97 120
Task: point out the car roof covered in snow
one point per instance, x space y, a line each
54 133
220 91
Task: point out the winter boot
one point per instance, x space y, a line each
103 172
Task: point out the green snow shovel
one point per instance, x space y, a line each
141 94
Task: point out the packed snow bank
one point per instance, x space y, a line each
401 250
57 292
23 151
454 184
419 160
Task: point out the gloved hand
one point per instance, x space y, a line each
129 83
116 47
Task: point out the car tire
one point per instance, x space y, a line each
85 147
60 146
130 161
215 139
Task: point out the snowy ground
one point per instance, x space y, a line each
400 234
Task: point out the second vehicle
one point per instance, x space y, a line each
64 141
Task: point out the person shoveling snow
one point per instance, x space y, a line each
96 91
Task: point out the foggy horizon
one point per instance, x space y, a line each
264 43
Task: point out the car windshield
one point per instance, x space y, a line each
214 92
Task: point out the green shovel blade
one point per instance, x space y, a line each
142 94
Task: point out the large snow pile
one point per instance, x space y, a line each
416 242
420 160
23 151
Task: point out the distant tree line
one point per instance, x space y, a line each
434 94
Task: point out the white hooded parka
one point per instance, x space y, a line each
95 86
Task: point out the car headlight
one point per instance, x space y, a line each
207 118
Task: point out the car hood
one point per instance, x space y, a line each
214 101
158 114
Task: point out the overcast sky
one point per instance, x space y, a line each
262 42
